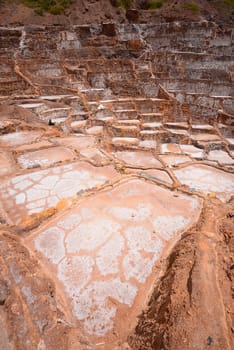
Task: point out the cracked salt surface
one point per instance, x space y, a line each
19 138
221 157
142 212
138 158
91 235
45 157
40 190
207 179
104 250
55 251
167 226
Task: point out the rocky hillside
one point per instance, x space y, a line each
93 11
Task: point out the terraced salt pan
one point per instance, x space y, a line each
192 151
95 130
19 138
207 179
202 127
6 164
231 141
125 141
76 125
148 144
94 155
45 157
105 249
172 160
155 174
178 131
76 142
34 192
138 159
34 146
170 148
220 157
205 137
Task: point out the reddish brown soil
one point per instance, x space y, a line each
192 305
29 306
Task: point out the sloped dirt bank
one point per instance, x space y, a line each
192 305
30 316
